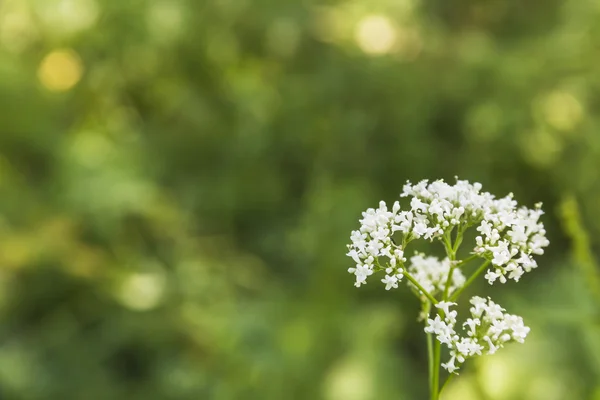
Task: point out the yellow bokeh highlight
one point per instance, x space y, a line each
142 291
60 70
562 110
16 251
463 389
375 34
17 27
497 378
351 379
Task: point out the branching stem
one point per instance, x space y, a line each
421 289
481 268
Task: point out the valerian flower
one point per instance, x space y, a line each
509 235
486 331
507 238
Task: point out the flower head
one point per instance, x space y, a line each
488 330
508 235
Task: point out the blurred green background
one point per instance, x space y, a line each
179 178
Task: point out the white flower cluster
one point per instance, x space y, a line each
488 329
374 240
509 235
508 238
432 274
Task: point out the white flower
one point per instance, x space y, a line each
432 273
515 271
417 205
488 329
420 229
479 305
445 306
354 254
435 325
362 272
450 365
509 235
517 234
443 331
390 282
472 323
519 330
491 347
491 276
485 228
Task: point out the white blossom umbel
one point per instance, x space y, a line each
373 241
486 331
432 274
509 235
506 239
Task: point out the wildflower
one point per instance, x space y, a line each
508 236
488 330
432 273
390 282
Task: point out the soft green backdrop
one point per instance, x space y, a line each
179 178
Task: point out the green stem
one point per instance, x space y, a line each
459 238
435 380
451 271
448 241
448 279
451 252
418 285
466 260
430 360
470 280
427 310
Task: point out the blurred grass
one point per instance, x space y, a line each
178 180
582 251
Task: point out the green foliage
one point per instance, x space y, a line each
179 178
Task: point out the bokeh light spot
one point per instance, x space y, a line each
541 148
463 389
17 29
350 380
67 17
375 34
165 20
60 70
562 110
497 377
142 291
